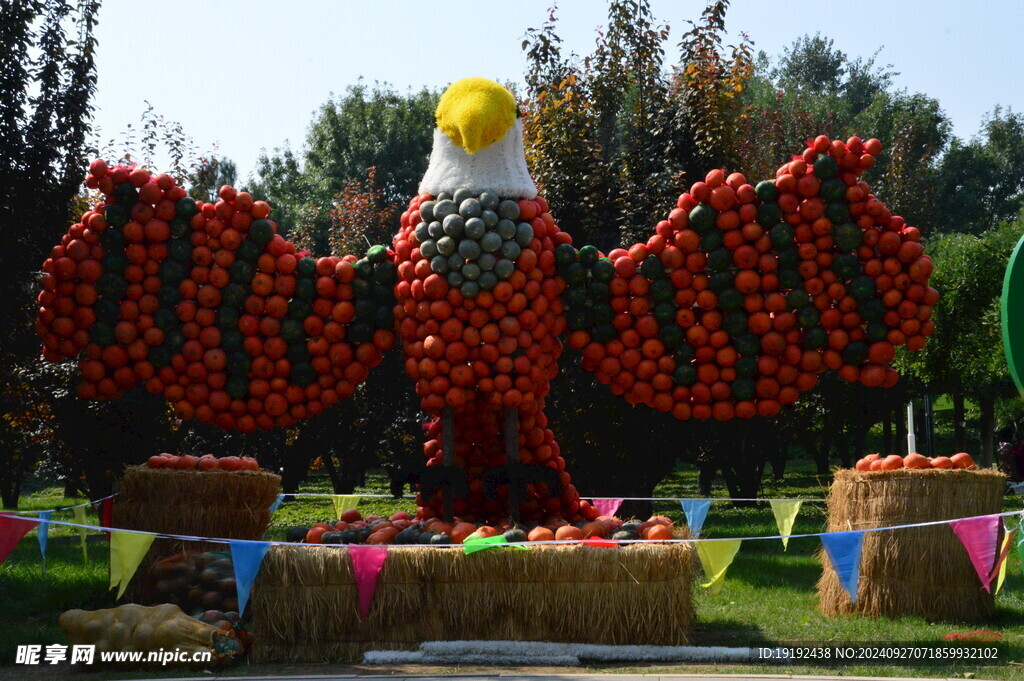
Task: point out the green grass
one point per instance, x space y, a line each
769 595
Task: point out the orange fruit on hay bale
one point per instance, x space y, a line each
437 527
892 462
351 515
942 462
595 529
340 526
962 460
383 536
400 515
871 457
569 533
916 460
541 534
486 531
863 465
462 530
402 523
315 532
658 533
876 465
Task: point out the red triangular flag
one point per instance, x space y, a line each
107 514
600 543
12 529
367 562
980 536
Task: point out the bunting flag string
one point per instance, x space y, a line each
43 534
844 549
979 536
343 502
715 558
127 549
80 519
696 511
367 562
246 556
785 511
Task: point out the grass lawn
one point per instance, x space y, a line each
769 594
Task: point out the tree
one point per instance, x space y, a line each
980 182
47 80
965 355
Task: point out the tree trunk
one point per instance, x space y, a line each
959 421
887 431
821 452
706 477
987 427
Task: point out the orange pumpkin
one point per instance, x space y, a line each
872 457
569 533
876 465
659 533
384 536
915 460
863 465
595 529
462 530
486 531
541 534
942 462
962 460
892 462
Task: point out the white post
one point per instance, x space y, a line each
911 439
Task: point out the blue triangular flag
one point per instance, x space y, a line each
44 533
277 503
843 549
696 511
246 556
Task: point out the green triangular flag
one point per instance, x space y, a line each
127 549
715 558
474 544
80 519
344 502
785 511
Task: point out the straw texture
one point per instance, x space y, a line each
305 606
222 504
923 572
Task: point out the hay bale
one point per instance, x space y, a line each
305 605
220 504
923 571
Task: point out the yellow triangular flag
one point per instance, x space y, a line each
127 549
1003 551
785 511
715 558
343 502
80 519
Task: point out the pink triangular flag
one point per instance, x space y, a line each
367 562
12 529
607 506
980 536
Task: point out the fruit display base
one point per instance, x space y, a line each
215 503
914 572
305 606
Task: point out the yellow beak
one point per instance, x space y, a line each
475 113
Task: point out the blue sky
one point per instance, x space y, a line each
248 75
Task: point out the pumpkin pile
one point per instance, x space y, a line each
893 462
206 462
479 318
205 304
196 582
231 624
745 294
402 528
